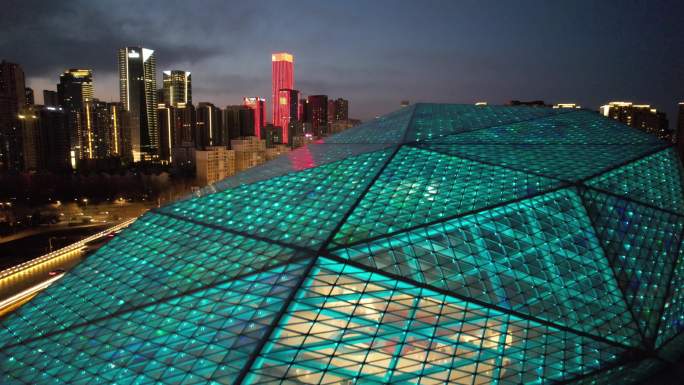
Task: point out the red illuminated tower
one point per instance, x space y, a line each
282 64
258 105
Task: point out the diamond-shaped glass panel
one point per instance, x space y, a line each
350 326
203 337
657 180
301 208
539 257
154 258
561 161
420 186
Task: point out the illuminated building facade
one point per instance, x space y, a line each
282 72
138 93
288 105
641 116
177 87
427 246
258 105
45 134
75 88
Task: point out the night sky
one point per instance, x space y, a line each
374 53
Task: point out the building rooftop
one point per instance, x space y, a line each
438 244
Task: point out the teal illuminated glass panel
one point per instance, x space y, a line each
641 245
566 162
309 156
301 208
672 320
202 337
349 326
656 180
577 127
433 121
156 257
386 129
538 256
420 186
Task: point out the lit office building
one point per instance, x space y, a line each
177 87
75 88
282 72
258 106
641 116
45 134
138 93
288 111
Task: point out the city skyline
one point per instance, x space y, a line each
369 57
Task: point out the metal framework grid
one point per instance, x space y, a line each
439 244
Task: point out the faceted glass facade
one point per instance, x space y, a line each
438 244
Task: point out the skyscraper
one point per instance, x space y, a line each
138 92
258 105
288 105
75 88
177 87
12 99
341 109
282 64
208 125
44 130
317 114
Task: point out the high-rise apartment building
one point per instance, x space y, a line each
282 71
177 87
213 164
641 116
138 93
12 100
288 105
317 114
249 152
258 105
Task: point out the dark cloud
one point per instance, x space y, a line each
373 53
